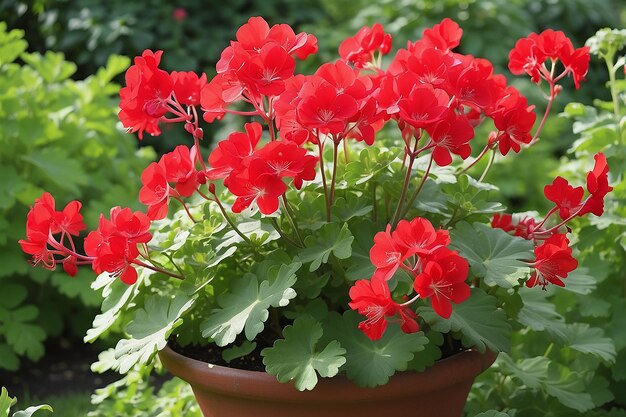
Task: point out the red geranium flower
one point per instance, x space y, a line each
451 136
443 281
386 254
187 87
597 185
143 100
553 262
502 221
229 154
155 191
372 299
180 168
566 197
359 49
424 107
419 237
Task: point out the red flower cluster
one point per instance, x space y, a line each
254 175
43 223
177 167
360 48
553 257
335 101
430 88
530 55
113 246
257 64
151 92
438 273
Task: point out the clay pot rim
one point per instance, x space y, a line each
202 376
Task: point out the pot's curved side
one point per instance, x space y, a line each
440 391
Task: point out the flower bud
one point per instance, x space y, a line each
212 188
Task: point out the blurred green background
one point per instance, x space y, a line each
61 66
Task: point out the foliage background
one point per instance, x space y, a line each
38 112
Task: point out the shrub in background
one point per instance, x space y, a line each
41 108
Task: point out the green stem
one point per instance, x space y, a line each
419 188
291 218
230 222
321 153
373 191
157 269
545 114
489 165
405 187
282 234
334 175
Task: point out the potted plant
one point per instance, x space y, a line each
342 236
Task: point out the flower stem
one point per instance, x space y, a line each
157 269
489 165
545 114
478 158
321 153
282 234
291 218
411 301
334 175
230 222
186 208
407 178
419 188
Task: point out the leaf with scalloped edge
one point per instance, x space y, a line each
493 254
150 329
371 362
329 239
245 307
479 320
299 357
554 379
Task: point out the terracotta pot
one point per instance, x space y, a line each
440 391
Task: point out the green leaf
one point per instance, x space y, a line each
330 239
493 413
539 313
600 391
32 410
492 253
150 329
246 348
298 357
116 296
360 264
371 362
431 353
245 306
11 44
481 323
8 358
554 379
591 340
25 338
51 66
59 167
580 282
354 207
5 401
